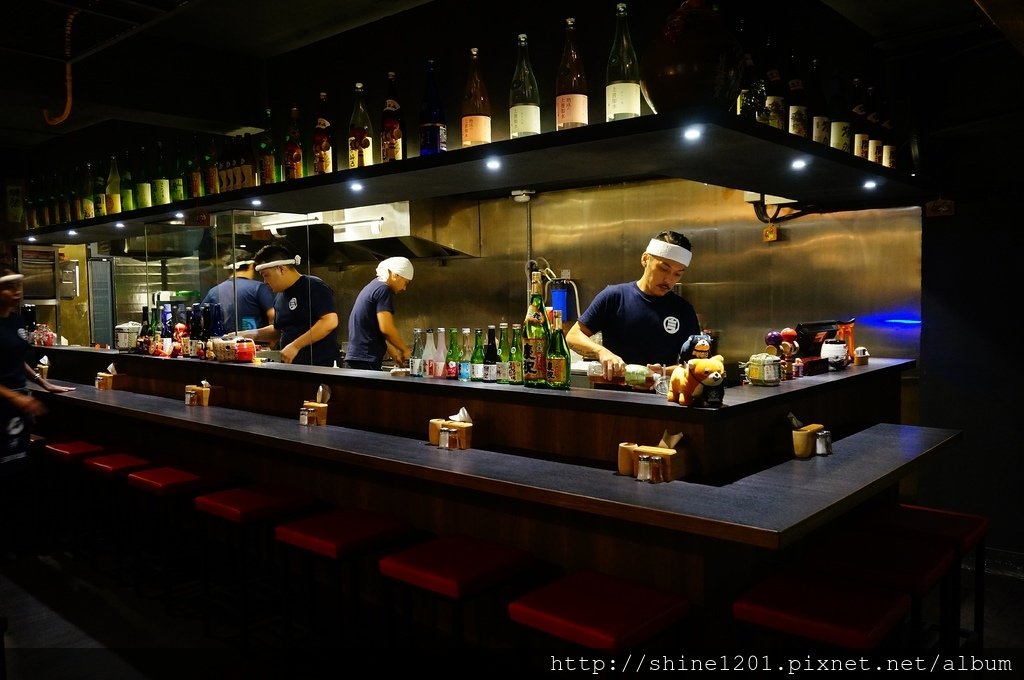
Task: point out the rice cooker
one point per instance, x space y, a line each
126 335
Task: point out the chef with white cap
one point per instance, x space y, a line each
371 325
641 322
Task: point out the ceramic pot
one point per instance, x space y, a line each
695 61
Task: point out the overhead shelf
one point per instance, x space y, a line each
720 149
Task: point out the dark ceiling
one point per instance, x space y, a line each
143 61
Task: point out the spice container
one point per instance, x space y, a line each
191 397
657 470
643 468
823 443
307 416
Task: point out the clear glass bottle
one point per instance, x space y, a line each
503 352
571 101
515 356
465 357
622 88
440 355
391 129
113 188
476 105
535 335
523 95
416 355
429 353
292 161
322 161
433 128
556 357
360 132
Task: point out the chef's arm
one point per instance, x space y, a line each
579 340
397 348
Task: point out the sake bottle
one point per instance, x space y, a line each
476 105
556 357
433 128
503 353
622 91
535 335
523 96
571 102
360 132
416 356
429 352
391 134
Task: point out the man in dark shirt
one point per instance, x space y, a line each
641 322
305 317
371 325
255 307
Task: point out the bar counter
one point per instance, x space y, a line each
581 426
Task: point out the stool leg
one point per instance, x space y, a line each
979 593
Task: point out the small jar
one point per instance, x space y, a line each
823 443
657 470
191 397
306 416
444 437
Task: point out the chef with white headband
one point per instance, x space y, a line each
641 322
305 316
371 325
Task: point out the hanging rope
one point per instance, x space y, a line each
67 74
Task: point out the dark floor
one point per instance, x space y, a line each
69 619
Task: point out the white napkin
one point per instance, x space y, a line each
461 417
45 361
111 370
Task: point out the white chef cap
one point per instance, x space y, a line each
399 265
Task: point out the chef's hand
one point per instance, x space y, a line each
611 362
56 389
289 352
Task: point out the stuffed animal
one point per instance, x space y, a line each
695 347
698 382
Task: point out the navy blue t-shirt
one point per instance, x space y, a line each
297 309
641 328
365 341
254 299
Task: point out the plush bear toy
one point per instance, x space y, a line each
698 382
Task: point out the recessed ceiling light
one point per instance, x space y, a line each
72 232
798 164
119 225
255 202
493 164
356 186
870 184
180 215
692 133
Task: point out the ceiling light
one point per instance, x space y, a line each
255 202
692 133
870 184
798 164
180 215
356 186
119 225
493 164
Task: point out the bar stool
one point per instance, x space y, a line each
108 502
599 611
459 569
341 537
64 458
164 515
246 515
963 533
837 613
904 563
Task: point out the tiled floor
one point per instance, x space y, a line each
68 621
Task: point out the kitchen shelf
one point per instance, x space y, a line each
729 152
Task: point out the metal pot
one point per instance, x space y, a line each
126 335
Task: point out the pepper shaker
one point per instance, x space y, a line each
657 469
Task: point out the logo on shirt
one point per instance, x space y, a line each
293 304
23 334
671 325
15 426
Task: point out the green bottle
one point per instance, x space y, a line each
515 356
451 369
535 336
556 357
127 185
476 361
180 176
504 349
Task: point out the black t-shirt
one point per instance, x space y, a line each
297 309
14 351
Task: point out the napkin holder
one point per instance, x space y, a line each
112 381
804 440
319 414
465 438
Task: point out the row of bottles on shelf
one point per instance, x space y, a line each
533 353
236 162
792 92
186 329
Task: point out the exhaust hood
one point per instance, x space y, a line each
338 238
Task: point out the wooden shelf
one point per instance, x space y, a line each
729 152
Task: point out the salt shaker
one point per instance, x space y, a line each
643 468
443 437
823 443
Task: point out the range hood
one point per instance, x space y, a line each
337 238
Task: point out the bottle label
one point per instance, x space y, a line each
416 367
246 177
212 181
888 155
515 372
476 371
820 129
225 178
268 169
433 138
523 120
323 155
390 141
557 371
860 144
113 203
195 184
476 130
570 111
464 372
776 111
178 189
875 150
839 136
360 150
622 100
99 204
292 161
798 121
88 208
491 372
533 360
452 369
161 191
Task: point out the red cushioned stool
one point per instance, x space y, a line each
599 611
963 533
109 504
62 461
460 569
165 519
906 564
833 612
339 537
244 518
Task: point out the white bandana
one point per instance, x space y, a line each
11 278
399 265
279 263
669 251
237 265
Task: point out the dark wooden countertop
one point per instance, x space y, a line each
769 509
